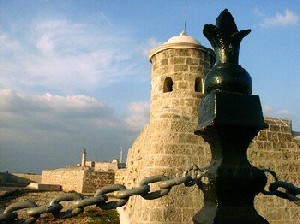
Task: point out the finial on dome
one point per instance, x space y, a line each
184 15
183 33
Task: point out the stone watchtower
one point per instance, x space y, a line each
168 144
178 68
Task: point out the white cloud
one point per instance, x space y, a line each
139 113
73 101
285 113
65 56
257 12
45 44
270 111
53 126
7 44
151 43
61 57
267 109
55 107
281 19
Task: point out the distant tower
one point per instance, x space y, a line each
83 157
121 155
168 144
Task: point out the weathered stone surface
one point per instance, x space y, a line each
281 154
167 145
78 179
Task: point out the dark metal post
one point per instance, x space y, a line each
229 118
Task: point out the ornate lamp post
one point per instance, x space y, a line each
229 118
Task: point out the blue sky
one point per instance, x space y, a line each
75 74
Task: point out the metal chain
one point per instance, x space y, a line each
190 177
282 189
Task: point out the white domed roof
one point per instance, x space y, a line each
182 38
182 41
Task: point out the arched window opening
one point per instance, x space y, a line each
199 85
168 85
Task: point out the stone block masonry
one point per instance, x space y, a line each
70 179
78 179
167 145
274 148
94 180
277 149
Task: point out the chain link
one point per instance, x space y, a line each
190 177
282 189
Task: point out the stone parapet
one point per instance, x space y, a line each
275 148
94 180
70 179
163 149
78 179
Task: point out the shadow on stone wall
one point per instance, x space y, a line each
18 179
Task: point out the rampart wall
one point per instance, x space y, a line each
274 148
94 180
78 179
106 166
19 178
277 149
70 179
27 178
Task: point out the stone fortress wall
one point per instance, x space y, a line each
79 179
167 145
276 148
19 178
82 179
86 177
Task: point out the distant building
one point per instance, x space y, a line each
86 177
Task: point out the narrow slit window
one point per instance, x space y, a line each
199 85
168 85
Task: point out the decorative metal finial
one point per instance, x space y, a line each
227 75
229 118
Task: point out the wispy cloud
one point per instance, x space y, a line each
45 45
148 45
270 111
61 57
139 113
67 56
6 44
280 19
